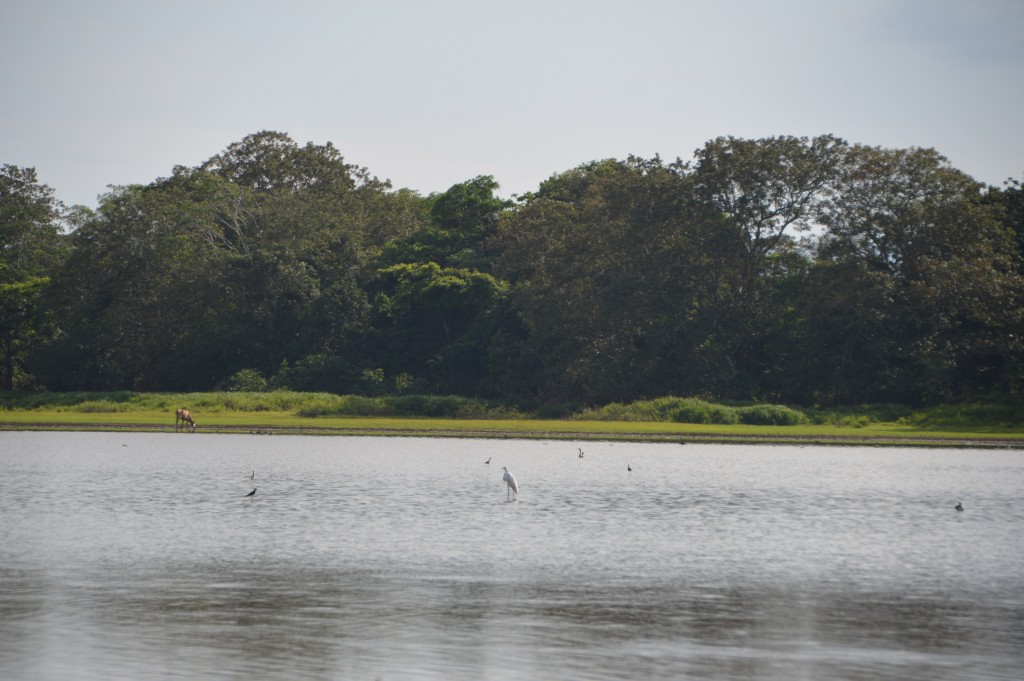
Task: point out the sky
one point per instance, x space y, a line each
430 93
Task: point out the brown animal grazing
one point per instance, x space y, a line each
183 419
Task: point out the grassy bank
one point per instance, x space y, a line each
668 419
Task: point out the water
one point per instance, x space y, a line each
128 556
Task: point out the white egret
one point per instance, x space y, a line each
510 480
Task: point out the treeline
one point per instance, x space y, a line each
784 270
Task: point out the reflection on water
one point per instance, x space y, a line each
138 556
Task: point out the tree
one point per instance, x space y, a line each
1010 201
254 260
767 192
32 245
429 320
617 284
955 294
434 298
455 232
270 161
767 188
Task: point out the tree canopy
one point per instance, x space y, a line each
807 270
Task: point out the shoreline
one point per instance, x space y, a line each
593 434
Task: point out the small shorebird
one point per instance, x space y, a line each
252 493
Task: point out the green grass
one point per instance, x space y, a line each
658 420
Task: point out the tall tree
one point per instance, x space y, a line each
767 192
616 276
434 296
1010 201
954 289
32 245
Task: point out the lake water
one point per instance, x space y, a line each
138 556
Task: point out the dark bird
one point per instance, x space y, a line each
628 467
253 476
580 451
959 506
253 492
488 459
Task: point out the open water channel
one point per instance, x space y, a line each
138 556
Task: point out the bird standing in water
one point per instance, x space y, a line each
959 506
510 480
252 493
488 460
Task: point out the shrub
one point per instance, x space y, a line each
245 381
691 410
962 415
771 415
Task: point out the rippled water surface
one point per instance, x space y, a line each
130 556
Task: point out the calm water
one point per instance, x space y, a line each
131 556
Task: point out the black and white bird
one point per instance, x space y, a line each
252 493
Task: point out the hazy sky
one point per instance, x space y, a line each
431 93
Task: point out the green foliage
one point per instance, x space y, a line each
699 411
32 247
431 406
664 410
246 380
968 415
806 270
860 415
771 415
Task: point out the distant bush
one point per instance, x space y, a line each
771 415
963 415
694 410
663 409
691 410
97 401
246 380
860 416
659 409
101 407
429 406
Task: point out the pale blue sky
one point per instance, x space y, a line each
431 93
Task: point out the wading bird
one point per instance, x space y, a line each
580 451
253 476
959 506
488 459
628 467
510 480
253 492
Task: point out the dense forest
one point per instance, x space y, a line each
793 270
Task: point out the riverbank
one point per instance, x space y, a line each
286 423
